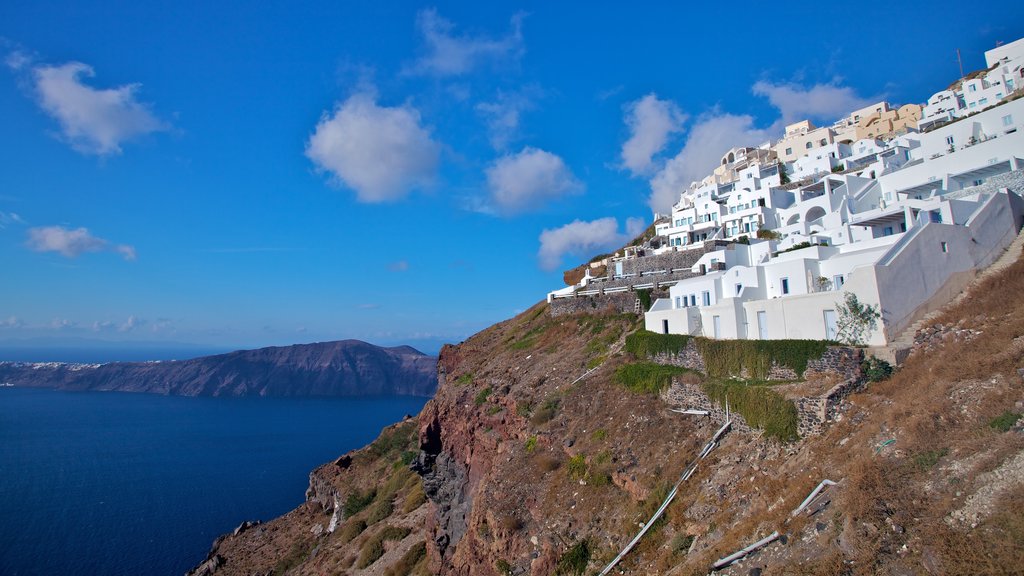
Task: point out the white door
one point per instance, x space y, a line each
762 325
718 326
830 325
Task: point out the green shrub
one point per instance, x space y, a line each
351 529
576 468
371 551
575 559
929 458
681 543
876 369
380 511
409 561
645 377
760 406
414 499
546 412
645 344
644 296
494 409
465 379
357 501
373 548
482 396
1004 421
730 358
403 437
503 567
599 435
531 444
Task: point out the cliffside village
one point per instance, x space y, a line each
900 206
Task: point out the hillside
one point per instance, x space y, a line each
524 467
342 368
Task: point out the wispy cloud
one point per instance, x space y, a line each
650 122
92 120
9 218
527 180
818 102
399 266
584 239
715 132
73 243
129 325
382 153
447 53
503 115
11 322
707 139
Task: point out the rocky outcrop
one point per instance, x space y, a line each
342 368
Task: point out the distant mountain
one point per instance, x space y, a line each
342 368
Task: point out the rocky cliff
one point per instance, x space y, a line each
549 444
342 368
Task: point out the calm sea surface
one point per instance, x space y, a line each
113 483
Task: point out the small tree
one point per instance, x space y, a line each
783 175
767 234
856 320
822 284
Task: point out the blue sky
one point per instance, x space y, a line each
234 175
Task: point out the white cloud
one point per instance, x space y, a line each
715 133
11 322
584 239
449 54
73 243
62 324
526 180
827 102
650 121
92 120
707 140
8 218
503 115
17 60
382 153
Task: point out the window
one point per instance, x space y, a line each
949 140
983 101
824 142
789 151
785 286
887 231
809 145
679 303
945 248
705 297
971 88
693 299
838 281
739 287
1008 120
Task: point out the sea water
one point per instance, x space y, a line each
116 483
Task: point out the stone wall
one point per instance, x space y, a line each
814 412
683 396
620 302
1013 180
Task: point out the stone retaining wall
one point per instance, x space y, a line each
621 302
684 396
814 412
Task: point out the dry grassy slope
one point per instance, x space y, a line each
509 437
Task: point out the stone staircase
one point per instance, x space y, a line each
900 347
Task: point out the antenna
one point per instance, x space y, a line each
961 63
